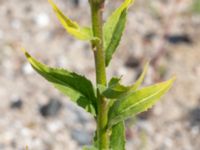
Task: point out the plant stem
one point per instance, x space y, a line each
102 118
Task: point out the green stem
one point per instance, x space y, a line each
102 117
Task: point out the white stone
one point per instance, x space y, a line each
27 69
26 132
54 126
42 20
195 130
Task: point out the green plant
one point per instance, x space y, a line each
196 6
110 103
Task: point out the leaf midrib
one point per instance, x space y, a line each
59 81
141 101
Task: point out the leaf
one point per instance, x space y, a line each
137 101
196 6
141 78
77 87
117 139
82 33
115 89
26 147
113 29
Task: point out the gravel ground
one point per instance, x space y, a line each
33 113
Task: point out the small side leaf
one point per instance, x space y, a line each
115 89
113 29
82 33
117 139
137 102
77 87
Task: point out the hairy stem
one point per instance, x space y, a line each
102 119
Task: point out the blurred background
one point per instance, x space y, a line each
33 113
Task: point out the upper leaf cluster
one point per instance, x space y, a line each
112 29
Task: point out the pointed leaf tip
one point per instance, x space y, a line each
25 52
141 78
81 33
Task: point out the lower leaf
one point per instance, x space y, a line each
77 87
117 139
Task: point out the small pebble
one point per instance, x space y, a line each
149 36
132 62
178 39
27 69
16 103
51 108
55 126
42 20
145 115
194 117
76 2
28 9
195 130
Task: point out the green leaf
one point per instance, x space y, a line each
82 33
140 79
196 6
77 87
137 101
113 29
115 89
117 139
